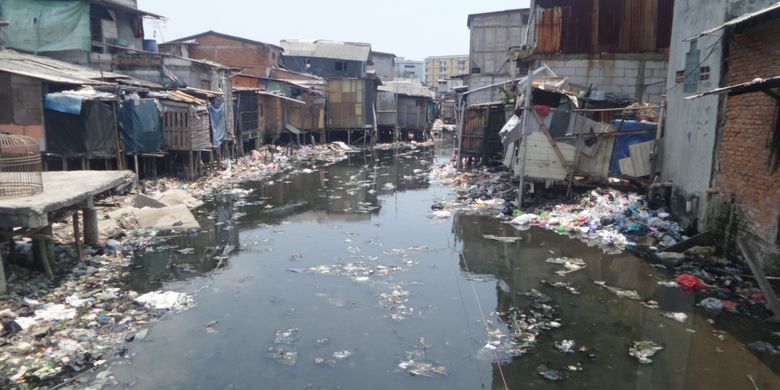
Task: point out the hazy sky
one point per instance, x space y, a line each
407 28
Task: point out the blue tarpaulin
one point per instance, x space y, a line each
218 124
63 102
622 143
140 125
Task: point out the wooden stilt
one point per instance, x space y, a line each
90 227
77 234
3 287
41 244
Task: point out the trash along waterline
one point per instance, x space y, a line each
341 322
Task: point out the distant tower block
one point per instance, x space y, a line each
20 166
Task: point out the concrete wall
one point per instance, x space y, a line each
383 65
491 36
641 76
744 150
692 125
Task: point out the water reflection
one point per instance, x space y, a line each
696 354
344 192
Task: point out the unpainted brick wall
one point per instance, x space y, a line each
744 145
256 59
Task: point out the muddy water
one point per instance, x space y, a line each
374 211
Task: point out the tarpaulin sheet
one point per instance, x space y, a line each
622 143
140 125
63 102
91 133
218 124
41 25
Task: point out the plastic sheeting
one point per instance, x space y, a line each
140 125
42 26
63 102
91 133
622 143
218 124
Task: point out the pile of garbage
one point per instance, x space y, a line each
56 329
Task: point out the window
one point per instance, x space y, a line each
476 70
461 66
704 73
679 77
341 66
525 20
692 62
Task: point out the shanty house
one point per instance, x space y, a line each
33 100
618 49
406 105
328 59
742 196
84 32
255 58
697 63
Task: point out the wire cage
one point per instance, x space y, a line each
20 166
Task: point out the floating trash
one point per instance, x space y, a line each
570 264
549 374
644 350
628 294
566 286
286 336
565 346
341 355
502 239
679 317
286 356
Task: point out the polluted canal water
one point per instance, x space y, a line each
343 278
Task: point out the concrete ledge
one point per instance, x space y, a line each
61 190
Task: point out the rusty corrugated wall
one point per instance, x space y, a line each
604 26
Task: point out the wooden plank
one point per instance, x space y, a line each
758 272
627 166
541 159
640 157
550 139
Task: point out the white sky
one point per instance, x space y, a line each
413 29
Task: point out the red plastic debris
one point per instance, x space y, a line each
690 281
729 305
542 110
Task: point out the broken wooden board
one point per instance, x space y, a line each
542 161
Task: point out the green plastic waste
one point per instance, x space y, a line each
517 213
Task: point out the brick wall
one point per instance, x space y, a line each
744 149
256 59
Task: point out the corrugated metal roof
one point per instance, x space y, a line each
327 49
48 69
112 4
193 39
739 20
756 85
408 87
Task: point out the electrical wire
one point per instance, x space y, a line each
484 321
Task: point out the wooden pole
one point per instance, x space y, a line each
77 234
41 241
526 117
3 286
90 226
758 272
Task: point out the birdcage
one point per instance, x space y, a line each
20 166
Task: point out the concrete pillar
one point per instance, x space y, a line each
90 227
77 234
